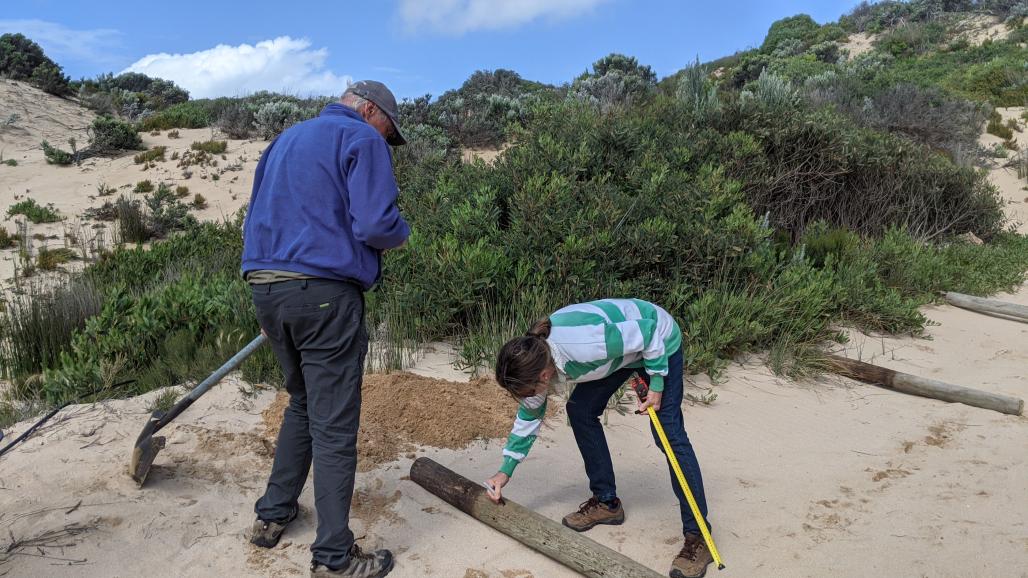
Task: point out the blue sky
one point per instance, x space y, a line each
414 46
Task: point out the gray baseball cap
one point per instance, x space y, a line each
383 98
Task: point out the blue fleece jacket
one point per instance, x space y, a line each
324 201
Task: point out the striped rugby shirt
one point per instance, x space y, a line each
590 341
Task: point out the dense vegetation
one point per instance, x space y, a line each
23 59
765 199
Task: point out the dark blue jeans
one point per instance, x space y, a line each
584 410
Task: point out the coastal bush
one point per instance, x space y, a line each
214 147
56 156
50 259
996 127
181 115
7 240
109 135
23 59
152 155
34 212
237 121
274 117
49 77
615 80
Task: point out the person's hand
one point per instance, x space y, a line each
652 399
495 485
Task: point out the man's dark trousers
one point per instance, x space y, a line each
316 329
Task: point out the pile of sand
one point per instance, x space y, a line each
401 411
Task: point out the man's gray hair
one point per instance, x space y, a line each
352 100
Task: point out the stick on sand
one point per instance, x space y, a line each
924 387
531 529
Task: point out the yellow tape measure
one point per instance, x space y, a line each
685 488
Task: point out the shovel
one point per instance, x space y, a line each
147 445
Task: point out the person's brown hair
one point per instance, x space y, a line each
522 359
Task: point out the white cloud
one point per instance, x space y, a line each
283 65
460 16
61 43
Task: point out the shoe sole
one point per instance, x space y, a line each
387 569
612 522
676 573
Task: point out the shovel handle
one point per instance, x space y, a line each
205 385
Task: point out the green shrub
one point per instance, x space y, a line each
50 259
56 156
992 72
214 147
996 127
34 212
199 202
181 191
800 30
105 212
616 80
19 56
109 135
23 59
172 134
144 186
913 38
181 115
152 155
50 78
39 324
274 117
7 240
166 213
866 181
9 162
237 120
132 226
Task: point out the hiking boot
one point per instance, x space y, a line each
360 565
266 534
592 512
692 561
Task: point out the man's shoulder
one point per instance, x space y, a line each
349 128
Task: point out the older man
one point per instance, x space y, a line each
322 211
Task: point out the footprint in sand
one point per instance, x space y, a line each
890 474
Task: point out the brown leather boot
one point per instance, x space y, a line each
592 512
693 560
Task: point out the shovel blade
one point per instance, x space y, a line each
145 450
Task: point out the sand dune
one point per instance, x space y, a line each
828 478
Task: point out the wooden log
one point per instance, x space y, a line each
980 305
925 387
562 544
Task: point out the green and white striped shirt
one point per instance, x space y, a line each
590 341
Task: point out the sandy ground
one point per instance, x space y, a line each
1003 173
73 189
858 43
824 478
974 29
827 478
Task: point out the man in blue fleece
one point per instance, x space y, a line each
322 211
